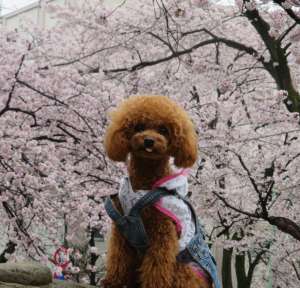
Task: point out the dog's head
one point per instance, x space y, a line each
151 127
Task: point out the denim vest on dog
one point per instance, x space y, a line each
164 196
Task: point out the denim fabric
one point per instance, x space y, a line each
200 253
132 228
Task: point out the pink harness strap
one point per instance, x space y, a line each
163 180
158 205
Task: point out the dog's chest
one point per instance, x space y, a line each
171 206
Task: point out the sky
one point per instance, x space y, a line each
11 5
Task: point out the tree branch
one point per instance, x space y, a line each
289 11
280 72
285 225
6 108
53 98
175 54
227 204
9 249
30 113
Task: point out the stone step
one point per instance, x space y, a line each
54 284
31 275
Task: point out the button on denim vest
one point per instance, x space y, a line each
132 228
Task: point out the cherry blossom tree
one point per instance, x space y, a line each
235 70
50 150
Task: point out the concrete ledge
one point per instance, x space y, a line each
26 273
54 284
31 275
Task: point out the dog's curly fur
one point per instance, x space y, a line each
173 135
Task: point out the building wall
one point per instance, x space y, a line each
33 14
36 14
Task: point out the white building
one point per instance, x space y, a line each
36 14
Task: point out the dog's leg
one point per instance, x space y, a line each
120 263
187 278
158 266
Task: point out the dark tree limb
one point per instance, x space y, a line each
226 268
12 90
278 66
44 94
9 249
30 113
76 139
289 11
49 138
285 225
215 40
93 259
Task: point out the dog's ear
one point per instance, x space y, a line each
116 144
185 148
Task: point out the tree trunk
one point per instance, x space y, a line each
226 268
242 279
10 249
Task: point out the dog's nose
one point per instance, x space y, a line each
148 142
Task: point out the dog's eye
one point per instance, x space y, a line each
163 130
139 127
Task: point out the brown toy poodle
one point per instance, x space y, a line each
145 132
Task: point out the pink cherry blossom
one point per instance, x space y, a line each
58 85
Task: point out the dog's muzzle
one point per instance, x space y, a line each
148 143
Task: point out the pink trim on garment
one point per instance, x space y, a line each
158 205
201 274
169 177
